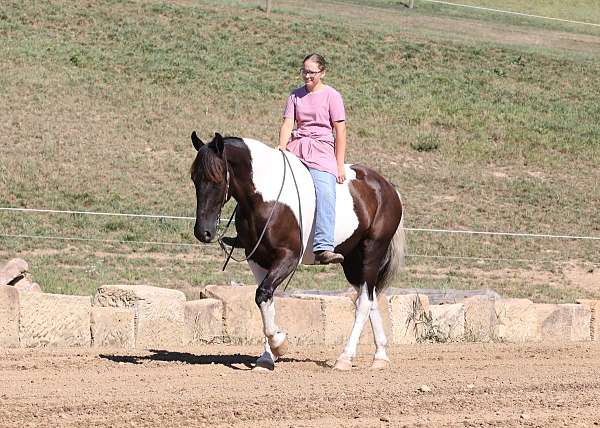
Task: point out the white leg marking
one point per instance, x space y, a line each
267 311
276 338
378 331
272 333
363 308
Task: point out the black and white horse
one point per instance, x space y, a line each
274 222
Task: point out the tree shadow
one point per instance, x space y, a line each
230 361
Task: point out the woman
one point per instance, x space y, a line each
319 141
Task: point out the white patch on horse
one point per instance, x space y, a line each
267 182
346 221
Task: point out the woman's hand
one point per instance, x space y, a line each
341 176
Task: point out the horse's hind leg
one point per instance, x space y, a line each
363 310
381 360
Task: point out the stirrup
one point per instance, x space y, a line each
232 241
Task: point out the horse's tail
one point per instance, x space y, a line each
394 257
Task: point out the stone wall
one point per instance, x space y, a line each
145 317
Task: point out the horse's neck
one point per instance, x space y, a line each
264 162
267 169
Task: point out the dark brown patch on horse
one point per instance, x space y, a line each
376 204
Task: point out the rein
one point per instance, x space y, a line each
286 163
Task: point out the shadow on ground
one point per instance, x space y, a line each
231 361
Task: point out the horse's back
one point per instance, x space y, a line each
360 201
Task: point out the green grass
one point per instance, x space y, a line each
582 11
99 100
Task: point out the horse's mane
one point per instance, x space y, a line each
208 164
211 166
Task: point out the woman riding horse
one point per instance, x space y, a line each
317 110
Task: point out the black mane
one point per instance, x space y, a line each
209 163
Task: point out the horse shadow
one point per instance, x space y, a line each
231 361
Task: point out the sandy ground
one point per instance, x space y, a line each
470 385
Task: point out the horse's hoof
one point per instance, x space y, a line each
279 349
343 364
264 363
379 364
263 368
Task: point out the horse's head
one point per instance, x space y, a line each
209 174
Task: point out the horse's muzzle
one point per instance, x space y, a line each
204 235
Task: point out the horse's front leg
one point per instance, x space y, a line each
269 280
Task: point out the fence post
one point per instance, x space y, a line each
411 4
269 7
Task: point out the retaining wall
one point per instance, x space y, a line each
145 317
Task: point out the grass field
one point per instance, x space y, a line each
484 122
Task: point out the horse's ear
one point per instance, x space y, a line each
197 142
219 143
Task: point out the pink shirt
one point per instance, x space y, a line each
314 113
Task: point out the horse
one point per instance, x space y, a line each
274 221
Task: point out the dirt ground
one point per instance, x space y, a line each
427 385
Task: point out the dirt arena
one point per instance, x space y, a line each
427 385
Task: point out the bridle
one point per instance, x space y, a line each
226 197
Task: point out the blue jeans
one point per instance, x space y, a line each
325 184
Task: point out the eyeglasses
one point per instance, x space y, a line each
309 73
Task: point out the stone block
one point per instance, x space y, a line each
594 306
159 312
193 292
203 321
563 323
242 322
9 316
448 321
113 327
337 317
26 284
300 319
11 270
408 314
54 320
517 321
481 321
522 321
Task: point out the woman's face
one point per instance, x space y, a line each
311 74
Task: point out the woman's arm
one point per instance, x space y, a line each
285 132
340 149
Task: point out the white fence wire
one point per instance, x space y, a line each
183 244
508 12
410 229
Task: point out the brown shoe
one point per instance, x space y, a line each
328 257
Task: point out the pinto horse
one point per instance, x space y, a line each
274 221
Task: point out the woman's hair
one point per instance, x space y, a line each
315 57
